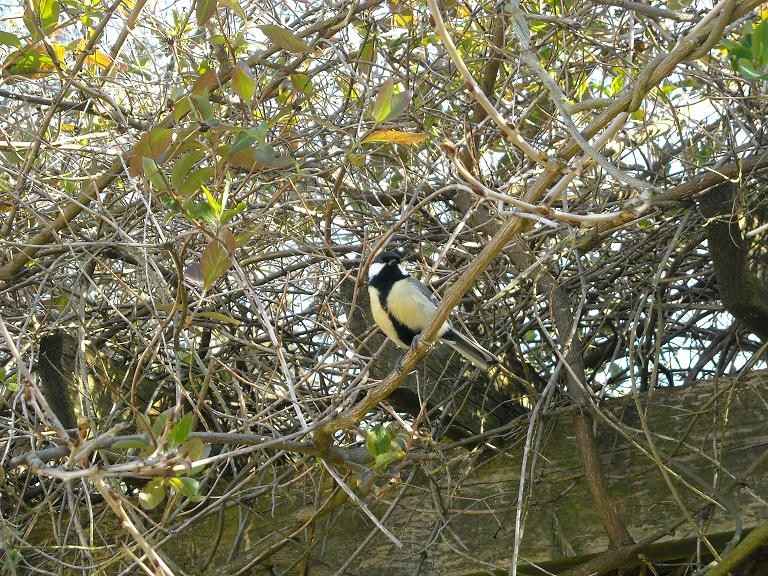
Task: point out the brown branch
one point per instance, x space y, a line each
576 378
651 11
68 105
743 294
706 180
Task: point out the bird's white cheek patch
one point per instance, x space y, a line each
375 269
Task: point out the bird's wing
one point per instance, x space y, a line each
423 289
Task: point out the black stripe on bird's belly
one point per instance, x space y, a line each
405 334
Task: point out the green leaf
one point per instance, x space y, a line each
181 430
284 38
265 154
46 12
243 139
243 83
182 167
399 103
131 443
378 440
736 49
202 106
152 494
214 263
204 11
8 39
195 181
159 424
303 84
747 69
382 106
367 56
760 44
155 176
201 211
186 486
181 108
227 215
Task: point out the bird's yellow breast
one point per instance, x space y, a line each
410 306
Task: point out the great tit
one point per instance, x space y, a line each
403 307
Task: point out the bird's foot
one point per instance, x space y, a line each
415 341
414 345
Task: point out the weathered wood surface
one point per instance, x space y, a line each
708 435
460 519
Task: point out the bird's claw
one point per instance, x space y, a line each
415 341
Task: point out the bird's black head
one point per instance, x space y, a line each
386 267
389 258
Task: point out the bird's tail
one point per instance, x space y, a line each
470 349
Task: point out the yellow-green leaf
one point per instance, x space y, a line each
303 84
212 202
214 263
44 11
377 440
186 486
367 56
8 39
234 5
219 317
32 61
284 38
152 494
383 103
243 83
395 137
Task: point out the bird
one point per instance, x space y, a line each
403 307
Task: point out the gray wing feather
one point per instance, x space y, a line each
470 349
423 289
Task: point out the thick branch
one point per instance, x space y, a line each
743 294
